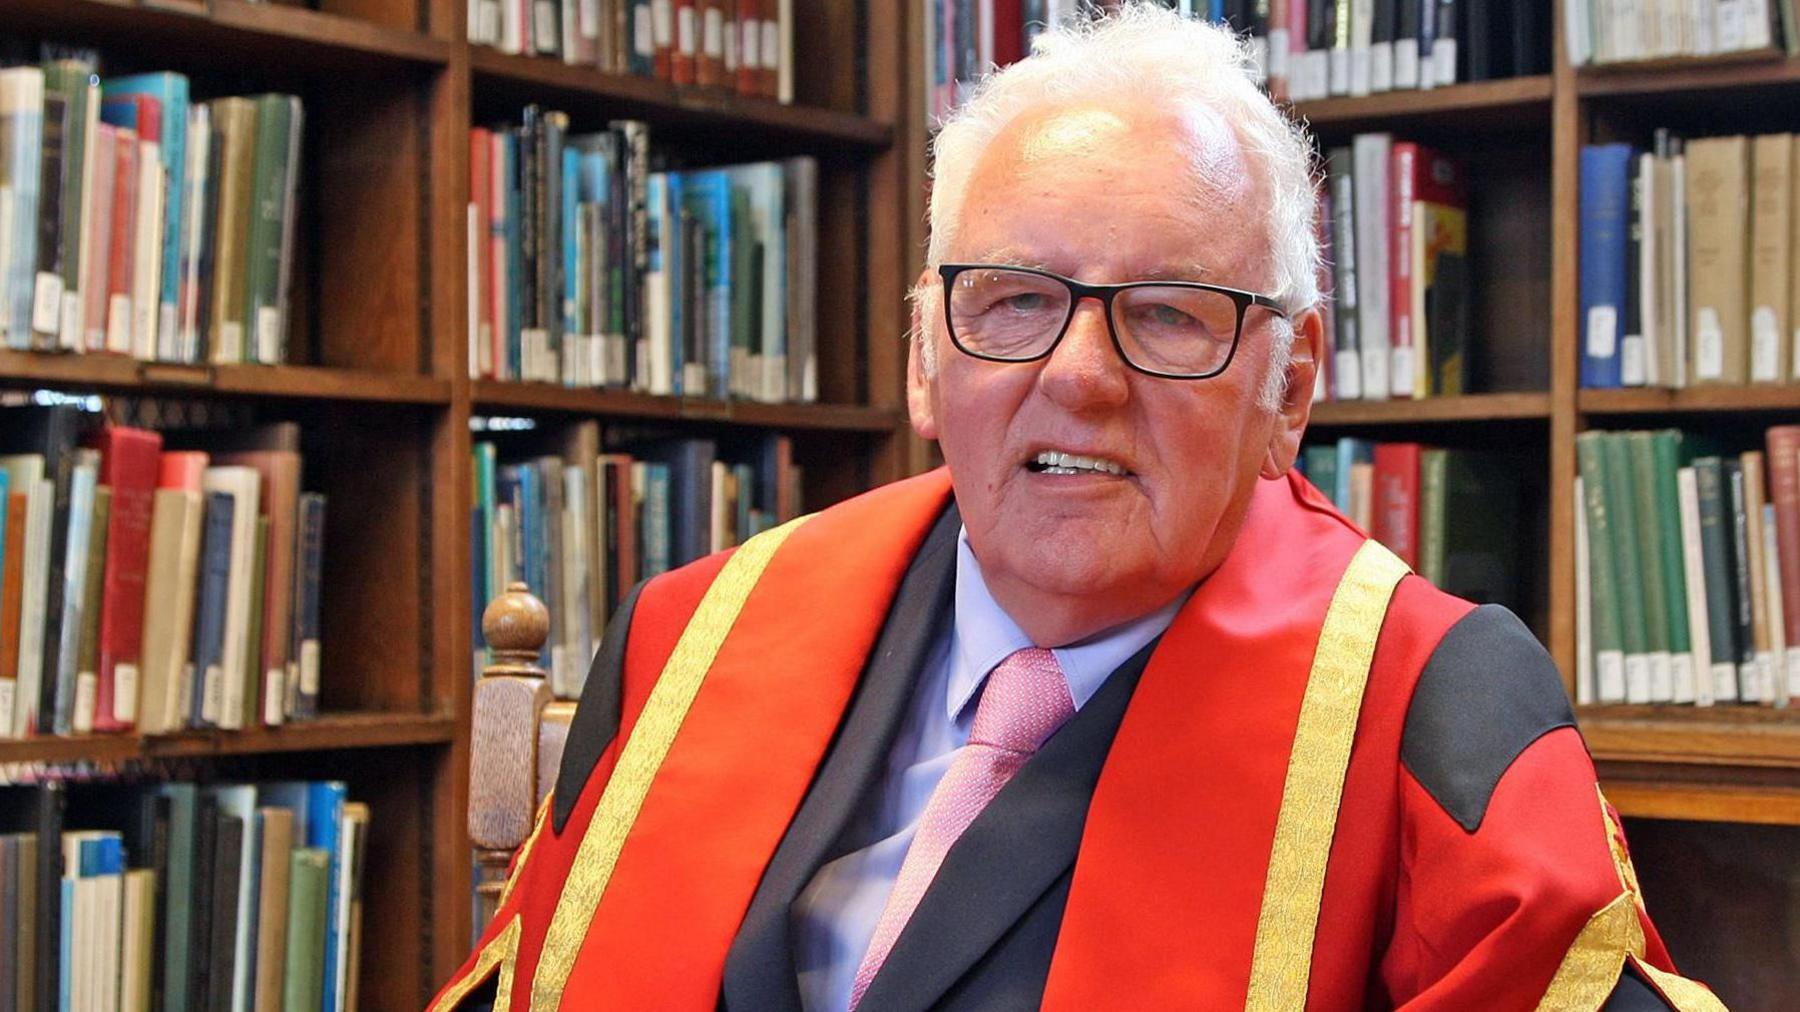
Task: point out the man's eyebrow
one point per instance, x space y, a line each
1011 256
1175 272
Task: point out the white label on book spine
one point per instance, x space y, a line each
268 335
1765 678
71 320
8 703
1724 682
1682 667
165 331
1359 72
230 347
46 303
590 19
1662 678
1729 34
309 667
643 33
1402 381
1337 64
118 323
1602 331
212 689
1709 344
490 22
713 33
1794 361
684 31
1406 63
1278 53
1381 66
87 695
184 698
1609 667
274 695
1443 59
1348 375
543 27
125 693
1792 664
1765 345
1632 368
662 19
1637 678
771 43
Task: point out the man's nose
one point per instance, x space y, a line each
1085 371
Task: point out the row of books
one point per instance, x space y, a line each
151 588
1301 50
1393 225
1688 265
580 521
233 898
1452 515
137 222
742 46
588 269
1687 569
1611 31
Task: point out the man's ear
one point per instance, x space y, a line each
1296 400
918 386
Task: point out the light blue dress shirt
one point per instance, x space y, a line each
835 915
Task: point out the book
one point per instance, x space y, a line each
129 466
172 570
1396 508
1771 256
1605 204
275 844
234 123
1346 360
235 678
1370 178
202 682
171 93
1603 579
278 495
1717 550
304 965
1718 221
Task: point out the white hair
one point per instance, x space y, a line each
1157 57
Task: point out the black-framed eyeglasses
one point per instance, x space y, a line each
1169 329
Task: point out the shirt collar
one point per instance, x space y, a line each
985 635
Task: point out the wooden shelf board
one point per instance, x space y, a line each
331 731
1466 408
1481 102
232 31
491 396
1744 71
1745 736
120 374
1637 796
628 95
1647 400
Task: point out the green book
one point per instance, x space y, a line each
1608 633
1319 463
178 904
1641 446
70 79
259 576
309 877
1621 501
1667 449
1481 521
744 324
1432 467
87 652
276 116
1721 582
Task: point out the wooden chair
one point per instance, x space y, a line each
516 738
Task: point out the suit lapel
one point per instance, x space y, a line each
1015 849
759 969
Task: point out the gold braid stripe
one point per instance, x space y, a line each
501 952
641 757
1282 963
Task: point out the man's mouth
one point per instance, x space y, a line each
1056 462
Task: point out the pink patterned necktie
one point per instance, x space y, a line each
1025 701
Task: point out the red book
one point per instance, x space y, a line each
122 242
481 144
770 86
709 66
12 593
1009 32
129 463
145 116
1784 492
685 53
1397 499
749 50
181 469
1404 164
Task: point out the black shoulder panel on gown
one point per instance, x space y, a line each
1487 693
596 721
1632 994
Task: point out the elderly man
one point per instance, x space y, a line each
1116 713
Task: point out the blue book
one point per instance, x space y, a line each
1349 451
654 556
641 58
65 960
1605 228
172 91
208 647
675 269
324 820
515 252
709 201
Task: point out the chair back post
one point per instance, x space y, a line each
508 704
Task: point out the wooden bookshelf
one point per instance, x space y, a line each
1480 104
380 381
1474 408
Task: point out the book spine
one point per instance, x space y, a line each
1640 447
1632 372
1693 564
1743 600
1586 686
12 595
309 570
1771 251
1621 498
130 468
1783 448
1346 362
1402 192
1758 680
1666 449
205 675
1604 206
1608 634
1716 539
1370 172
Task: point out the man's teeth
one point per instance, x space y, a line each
1052 462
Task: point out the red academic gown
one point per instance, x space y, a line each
1330 788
